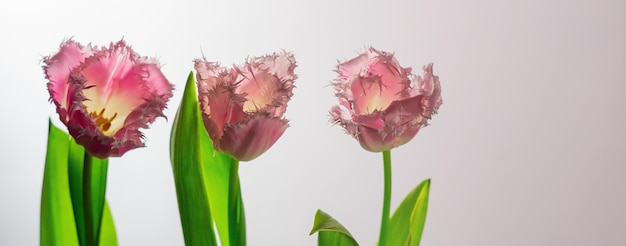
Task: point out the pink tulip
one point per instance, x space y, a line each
104 95
243 107
382 104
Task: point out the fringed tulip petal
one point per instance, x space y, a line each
248 140
382 104
242 107
58 69
110 93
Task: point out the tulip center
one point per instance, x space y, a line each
103 123
260 88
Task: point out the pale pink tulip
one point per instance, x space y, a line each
243 107
382 104
104 95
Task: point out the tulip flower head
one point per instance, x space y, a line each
105 95
382 104
243 107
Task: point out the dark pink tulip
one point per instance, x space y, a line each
104 95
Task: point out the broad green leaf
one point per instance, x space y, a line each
108 236
407 223
330 231
219 170
186 157
222 177
57 226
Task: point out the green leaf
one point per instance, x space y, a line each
62 205
88 215
95 178
187 159
108 236
57 226
330 231
407 223
218 171
77 160
75 165
236 217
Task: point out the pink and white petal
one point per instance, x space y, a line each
157 92
58 69
377 141
259 87
146 113
338 114
282 65
353 67
403 112
393 77
371 95
372 140
127 139
105 70
207 85
400 136
75 87
207 74
431 87
425 82
156 81
246 141
117 86
225 108
341 116
374 121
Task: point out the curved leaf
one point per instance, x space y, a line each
219 170
208 174
75 165
330 231
186 158
407 223
57 226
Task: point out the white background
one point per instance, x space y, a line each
527 149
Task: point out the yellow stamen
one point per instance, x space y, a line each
103 123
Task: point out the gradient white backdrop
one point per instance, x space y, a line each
527 149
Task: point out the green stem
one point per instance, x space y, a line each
94 189
386 198
89 230
236 229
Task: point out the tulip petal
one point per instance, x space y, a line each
248 140
58 69
431 87
258 86
225 107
